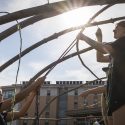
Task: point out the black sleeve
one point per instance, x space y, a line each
0 104
119 48
119 44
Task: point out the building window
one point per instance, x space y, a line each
46 122
25 121
75 105
76 92
80 82
8 94
95 99
85 101
77 82
47 114
47 111
47 82
70 82
48 92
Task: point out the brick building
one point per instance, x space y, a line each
69 109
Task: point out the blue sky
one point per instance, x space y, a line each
46 54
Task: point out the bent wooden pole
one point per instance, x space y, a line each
54 36
36 18
55 9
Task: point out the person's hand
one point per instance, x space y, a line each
38 82
99 35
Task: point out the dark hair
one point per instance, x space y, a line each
121 23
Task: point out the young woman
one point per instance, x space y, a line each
116 79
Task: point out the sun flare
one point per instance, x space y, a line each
76 17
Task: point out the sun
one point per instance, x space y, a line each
76 17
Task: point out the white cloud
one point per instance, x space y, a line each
36 66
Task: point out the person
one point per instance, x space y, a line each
28 93
100 90
116 78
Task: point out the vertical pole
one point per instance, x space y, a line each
36 121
